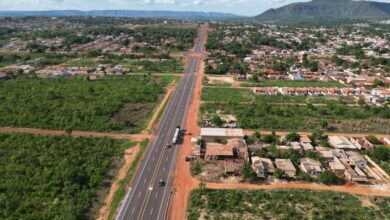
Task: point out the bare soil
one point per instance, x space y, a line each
183 183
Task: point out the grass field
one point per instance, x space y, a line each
112 103
227 95
168 66
56 177
17 59
339 117
279 83
284 204
83 63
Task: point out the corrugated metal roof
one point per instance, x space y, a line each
222 132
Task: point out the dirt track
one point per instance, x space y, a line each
354 189
134 137
249 132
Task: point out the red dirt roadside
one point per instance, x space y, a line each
183 183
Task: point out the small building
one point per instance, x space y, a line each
326 153
340 142
211 134
232 167
341 155
229 121
356 159
337 167
296 146
3 76
362 143
310 166
351 175
216 151
287 166
262 166
283 147
305 139
387 141
307 146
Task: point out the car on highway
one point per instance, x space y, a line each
161 182
168 146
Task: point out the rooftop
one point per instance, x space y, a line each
221 132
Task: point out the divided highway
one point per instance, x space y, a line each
146 199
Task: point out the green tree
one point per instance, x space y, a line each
247 173
196 168
380 153
361 102
378 83
328 177
324 124
373 140
279 173
217 121
293 137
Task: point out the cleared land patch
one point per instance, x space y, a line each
111 103
279 83
56 177
283 204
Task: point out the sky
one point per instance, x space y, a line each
240 7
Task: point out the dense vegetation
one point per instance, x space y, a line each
262 115
282 204
381 155
110 103
55 177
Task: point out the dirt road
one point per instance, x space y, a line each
380 136
133 137
354 189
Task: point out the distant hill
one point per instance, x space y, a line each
327 9
123 13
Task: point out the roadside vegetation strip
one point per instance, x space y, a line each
284 204
162 110
279 83
227 95
51 177
110 104
123 184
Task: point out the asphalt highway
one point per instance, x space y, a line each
146 199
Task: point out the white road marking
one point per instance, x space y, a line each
132 212
139 194
163 169
151 211
145 180
156 195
